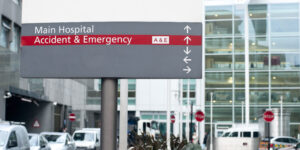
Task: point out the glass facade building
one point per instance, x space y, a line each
267 41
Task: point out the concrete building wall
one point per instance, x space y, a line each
2 106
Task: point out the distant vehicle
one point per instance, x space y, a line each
149 127
13 137
38 142
59 141
239 137
87 139
277 143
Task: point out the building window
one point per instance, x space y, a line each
5 31
15 44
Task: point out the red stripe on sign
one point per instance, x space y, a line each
111 40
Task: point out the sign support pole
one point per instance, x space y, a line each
109 113
123 114
268 135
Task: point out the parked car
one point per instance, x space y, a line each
87 139
277 143
296 147
38 142
59 141
13 137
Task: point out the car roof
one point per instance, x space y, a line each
33 134
54 133
284 137
85 131
8 128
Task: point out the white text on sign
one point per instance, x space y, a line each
160 39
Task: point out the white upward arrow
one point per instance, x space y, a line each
187 50
187 28
187 59
187 39
187 69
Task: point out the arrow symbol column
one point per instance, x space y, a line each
187 28
187 51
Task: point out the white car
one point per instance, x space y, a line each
87 139
38 142
59 141
13 137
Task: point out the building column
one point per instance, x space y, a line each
2 105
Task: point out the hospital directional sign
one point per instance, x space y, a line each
112 49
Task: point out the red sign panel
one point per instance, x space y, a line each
72 117
191 40
172 118
268 116
199 116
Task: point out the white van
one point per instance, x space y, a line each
88 138
239 137
13 137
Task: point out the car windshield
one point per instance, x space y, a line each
33 140
84 137
3 137
55 138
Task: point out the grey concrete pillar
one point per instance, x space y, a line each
2 105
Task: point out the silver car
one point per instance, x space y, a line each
38 142
59 141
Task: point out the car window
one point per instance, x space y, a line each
55 138
246 134
255 134
84 137
298 146
234 134
293 141
13 138
279 140
226 134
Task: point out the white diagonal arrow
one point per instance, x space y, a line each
187 69
187 28
187 50
187 39
187 59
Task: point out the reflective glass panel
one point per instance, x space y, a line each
239 80
285 61
219 114
218 12
290 96
239 12
285 44
218 28
239 45
259 96
218 79
239 27
258 27
258 45
218 62
257 11
239 95
259 62
218 45
284 10
285 79
259 79
239 62
284 26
